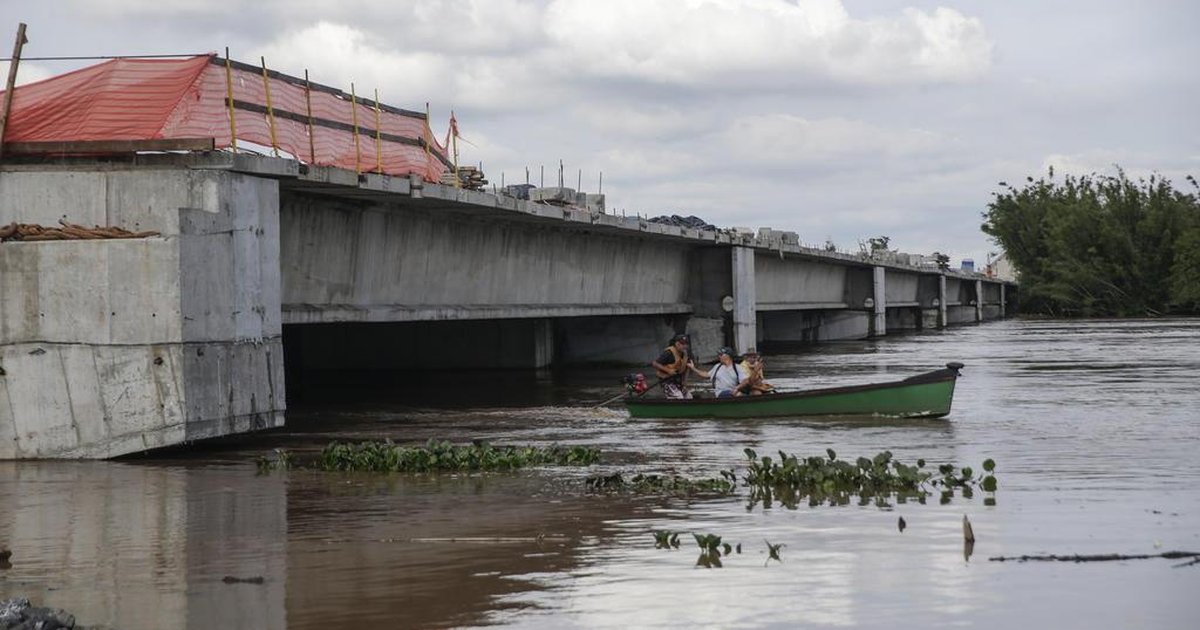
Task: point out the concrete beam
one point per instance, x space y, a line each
879 321
543 343
979 300
942 305
801 306
333 313
744 318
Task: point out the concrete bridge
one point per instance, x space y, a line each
264 265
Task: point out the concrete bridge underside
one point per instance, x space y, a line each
111 347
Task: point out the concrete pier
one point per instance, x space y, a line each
110 347
116 346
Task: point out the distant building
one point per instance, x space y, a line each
968 265
1001 269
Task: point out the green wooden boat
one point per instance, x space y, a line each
925 395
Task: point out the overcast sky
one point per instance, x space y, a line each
837 120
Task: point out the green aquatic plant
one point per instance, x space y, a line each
791 479
773 552
666 539
282 460
711 549
437 456
708 542
663 484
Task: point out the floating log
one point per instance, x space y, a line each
1103 557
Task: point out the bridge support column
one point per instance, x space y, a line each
879 305
744 315
978 301
543 343
942 319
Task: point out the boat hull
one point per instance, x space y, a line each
927 395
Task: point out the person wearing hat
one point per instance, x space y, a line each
728 381
752 367
672 368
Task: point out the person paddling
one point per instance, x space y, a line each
672 368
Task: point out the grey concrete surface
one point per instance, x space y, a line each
116 346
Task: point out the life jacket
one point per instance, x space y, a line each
679 366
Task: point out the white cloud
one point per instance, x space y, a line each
26 73
784 139
645 121
764 42
335 52
1135 164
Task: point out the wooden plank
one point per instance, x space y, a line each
12 81
111 146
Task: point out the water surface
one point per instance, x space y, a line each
1095 427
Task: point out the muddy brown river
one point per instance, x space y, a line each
1094 426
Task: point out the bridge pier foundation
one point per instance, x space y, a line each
879 302
118 346
744 299
978 301
943 314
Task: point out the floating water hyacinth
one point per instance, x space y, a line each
435 456
444 456
829 479
663 484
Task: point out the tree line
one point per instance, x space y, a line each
1097 245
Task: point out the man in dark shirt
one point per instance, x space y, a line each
672 367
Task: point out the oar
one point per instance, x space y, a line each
623 394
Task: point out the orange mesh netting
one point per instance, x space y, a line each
149 99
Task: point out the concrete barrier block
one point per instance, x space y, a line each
38 391
8 429
143 291
151 200
87 412
552 195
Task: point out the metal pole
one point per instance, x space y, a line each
12 82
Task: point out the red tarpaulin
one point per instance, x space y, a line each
150 99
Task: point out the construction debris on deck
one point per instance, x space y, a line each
68 232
